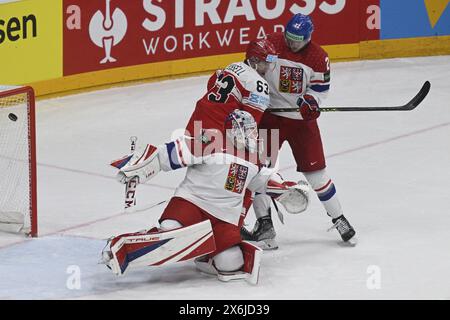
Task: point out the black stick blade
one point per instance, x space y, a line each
419 96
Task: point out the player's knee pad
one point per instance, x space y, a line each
170 224
317 179
229 260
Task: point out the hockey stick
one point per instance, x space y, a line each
420 96
130 187
280 214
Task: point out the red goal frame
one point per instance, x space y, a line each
31 151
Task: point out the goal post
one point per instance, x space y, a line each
18 187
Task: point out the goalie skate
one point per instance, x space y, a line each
263 234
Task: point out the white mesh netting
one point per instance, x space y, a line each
15 199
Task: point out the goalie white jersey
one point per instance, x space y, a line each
215 182
216 177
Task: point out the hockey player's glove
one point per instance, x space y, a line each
309 108
143 163
293 196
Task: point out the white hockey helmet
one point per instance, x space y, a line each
242 130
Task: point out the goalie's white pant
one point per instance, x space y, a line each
261 205
322 185
228 260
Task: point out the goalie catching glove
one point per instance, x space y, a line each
143 164
293 196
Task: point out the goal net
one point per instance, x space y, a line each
18 207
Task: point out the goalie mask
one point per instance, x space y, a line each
242 130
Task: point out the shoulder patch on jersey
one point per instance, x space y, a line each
237 175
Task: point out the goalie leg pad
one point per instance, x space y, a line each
249 271
229 260
155 248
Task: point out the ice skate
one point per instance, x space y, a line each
345 230
263 234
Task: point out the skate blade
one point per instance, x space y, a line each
349 243
269 244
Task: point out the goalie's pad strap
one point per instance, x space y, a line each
161 248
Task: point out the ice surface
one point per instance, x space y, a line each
391 170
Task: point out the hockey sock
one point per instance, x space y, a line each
326 191
261 205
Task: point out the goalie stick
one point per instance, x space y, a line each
130 187
412 104
280 214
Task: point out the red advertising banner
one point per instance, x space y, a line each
105 34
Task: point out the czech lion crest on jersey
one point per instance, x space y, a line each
237 175
291 80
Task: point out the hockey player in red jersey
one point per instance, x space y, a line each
238 86
301 78
241 86
204 217
220 151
